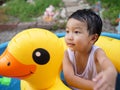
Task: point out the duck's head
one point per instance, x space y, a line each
34 55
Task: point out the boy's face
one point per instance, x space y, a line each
77 36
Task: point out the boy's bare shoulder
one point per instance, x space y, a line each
100 51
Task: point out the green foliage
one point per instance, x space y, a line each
3 16
112 9
26 11
112 14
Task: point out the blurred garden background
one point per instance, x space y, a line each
26 10
17 15
111 9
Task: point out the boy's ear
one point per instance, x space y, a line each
94 38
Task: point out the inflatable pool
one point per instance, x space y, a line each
105 42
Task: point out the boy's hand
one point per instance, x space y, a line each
103 82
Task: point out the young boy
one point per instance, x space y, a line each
86 66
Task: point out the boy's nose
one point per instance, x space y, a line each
70 36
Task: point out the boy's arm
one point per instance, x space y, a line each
106 79
72 79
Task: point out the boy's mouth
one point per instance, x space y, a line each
70 44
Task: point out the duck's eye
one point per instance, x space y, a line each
40 56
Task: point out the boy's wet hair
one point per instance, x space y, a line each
93 21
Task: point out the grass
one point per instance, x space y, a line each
26 11
112 9
3 17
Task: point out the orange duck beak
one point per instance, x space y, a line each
11 67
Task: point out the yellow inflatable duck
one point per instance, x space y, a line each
35 57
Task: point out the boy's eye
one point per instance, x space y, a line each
67 31
77 32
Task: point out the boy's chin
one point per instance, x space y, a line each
71 49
